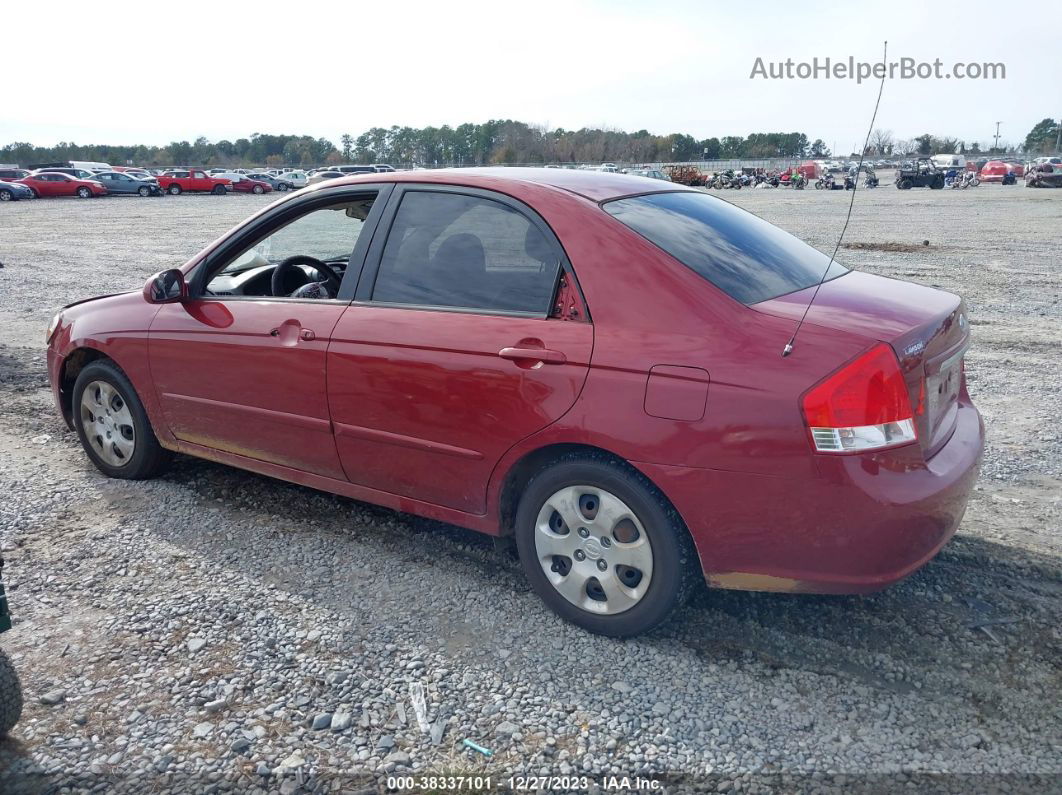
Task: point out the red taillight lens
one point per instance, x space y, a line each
863 406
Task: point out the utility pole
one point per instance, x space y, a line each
996 147
1058 138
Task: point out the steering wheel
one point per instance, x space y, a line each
291 263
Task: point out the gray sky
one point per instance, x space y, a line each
133 72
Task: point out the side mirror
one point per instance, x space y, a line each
167 287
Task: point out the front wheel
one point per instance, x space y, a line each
10 695
144 191
174 189
219 190
258 189
84 193
112 425
903 184
602 547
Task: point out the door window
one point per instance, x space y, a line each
454 250
327 234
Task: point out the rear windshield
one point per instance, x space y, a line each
743 255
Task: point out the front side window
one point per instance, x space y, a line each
199 175
453 250
322 238
741 254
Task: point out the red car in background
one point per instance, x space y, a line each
49 183
247 184
591 363
193 180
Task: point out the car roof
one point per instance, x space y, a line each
593 185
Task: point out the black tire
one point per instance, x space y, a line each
937 184
174 189
674 560
10 695
219 190
6 195
258 189
904 184
144 191
84 193
149 458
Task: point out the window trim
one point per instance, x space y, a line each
279 215
371 270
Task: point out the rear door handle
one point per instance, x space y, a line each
307 334
533 354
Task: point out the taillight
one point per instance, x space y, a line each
863 406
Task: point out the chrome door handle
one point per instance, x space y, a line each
533 354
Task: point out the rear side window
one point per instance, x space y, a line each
743 255
453 250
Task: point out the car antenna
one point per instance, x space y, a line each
788 349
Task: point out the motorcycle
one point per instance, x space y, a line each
824 182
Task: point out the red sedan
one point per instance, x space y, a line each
54 184
585 361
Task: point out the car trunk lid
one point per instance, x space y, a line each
926 327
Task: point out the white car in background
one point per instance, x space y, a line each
298 179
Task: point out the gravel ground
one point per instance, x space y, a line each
215 630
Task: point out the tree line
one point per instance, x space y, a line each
499 142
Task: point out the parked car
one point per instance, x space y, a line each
128 183
242 183
353 169
192 180
298 179
13 173
77 173
1044 175
53 183
324 176
587 362
652 173
13 191
383 168
275 182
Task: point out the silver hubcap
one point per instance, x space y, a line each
593 549
108 423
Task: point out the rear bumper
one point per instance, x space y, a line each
855 524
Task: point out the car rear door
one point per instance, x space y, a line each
452 352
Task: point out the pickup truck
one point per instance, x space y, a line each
178 181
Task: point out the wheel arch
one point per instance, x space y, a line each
520 472
73 363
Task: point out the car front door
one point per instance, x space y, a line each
200 181
452 352
239 367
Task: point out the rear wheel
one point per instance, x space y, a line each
84 193
144 191
219 190
174 189
10 696
113 427
602 547
6 195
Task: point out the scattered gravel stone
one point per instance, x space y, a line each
53 697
